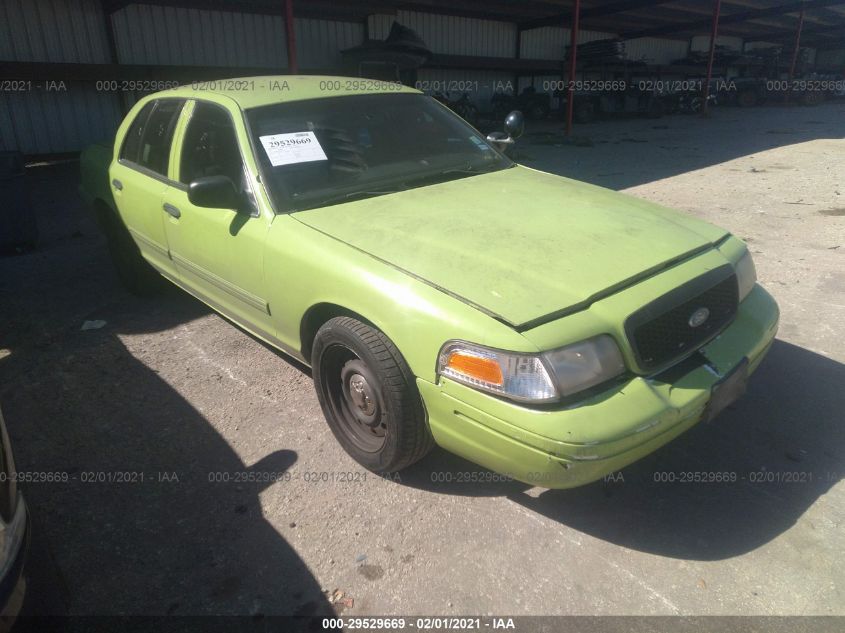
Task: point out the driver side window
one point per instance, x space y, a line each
210 146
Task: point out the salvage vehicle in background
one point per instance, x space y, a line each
542 327
590 105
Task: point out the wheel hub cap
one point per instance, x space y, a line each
362 395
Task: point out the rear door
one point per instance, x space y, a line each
219 253
139 178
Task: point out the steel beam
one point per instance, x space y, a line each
794 55
733 18
714 32
573 59
290 38
592 12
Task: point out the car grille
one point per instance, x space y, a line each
661 333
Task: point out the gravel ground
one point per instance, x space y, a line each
176 398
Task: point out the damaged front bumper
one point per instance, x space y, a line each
574 445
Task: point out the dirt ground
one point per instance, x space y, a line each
190 409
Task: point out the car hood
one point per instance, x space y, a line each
519 244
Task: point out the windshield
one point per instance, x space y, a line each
319 152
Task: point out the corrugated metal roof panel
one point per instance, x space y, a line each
550 42
51 31
379 25
319 42
451 35
153 34
40 122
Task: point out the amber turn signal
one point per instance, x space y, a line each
478 367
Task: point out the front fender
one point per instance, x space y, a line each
305 268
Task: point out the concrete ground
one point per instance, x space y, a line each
170 392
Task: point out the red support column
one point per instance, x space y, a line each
795 53
717 7
573 54
291 38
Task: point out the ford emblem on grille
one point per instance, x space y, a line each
699 317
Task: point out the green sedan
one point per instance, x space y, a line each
544 328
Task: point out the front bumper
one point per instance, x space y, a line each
575 445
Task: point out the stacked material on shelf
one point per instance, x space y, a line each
610 51
721 55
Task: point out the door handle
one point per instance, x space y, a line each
117 184
173 211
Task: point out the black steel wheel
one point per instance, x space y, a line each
369 396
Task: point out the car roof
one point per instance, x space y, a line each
251 92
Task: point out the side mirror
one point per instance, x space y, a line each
514 124
514 127
214 192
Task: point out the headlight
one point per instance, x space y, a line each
533 377
517 376
746 275
586 364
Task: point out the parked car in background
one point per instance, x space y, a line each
14 535
545 328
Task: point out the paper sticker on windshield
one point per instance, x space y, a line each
287 149
480 144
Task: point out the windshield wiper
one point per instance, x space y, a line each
452 173
352 195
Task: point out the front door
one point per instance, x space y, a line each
219 253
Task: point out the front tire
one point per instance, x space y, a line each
369 396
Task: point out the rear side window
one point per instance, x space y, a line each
149 138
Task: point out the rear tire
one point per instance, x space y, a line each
369 396
134 272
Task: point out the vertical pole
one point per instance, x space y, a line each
107 11
573 54
795 54
291 38
517 54
714 32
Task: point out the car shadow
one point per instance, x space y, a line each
139 506
776 451
156 513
